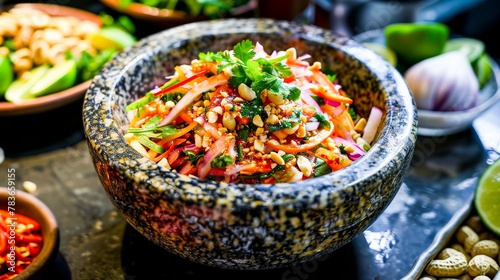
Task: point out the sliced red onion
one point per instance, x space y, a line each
215 150
372 123
237 168
306 97
443 83
332 103
192 95
358 151
311 126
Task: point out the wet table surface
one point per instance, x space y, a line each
96 243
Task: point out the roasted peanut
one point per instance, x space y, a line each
57 54
453 266
482 277
360 125
40 50
304 165
485 247
246 92
257 120
475 223
467 236
465 277
228 121
461 249
482 265
275 98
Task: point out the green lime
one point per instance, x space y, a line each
414 42
57 78
483 69
19 89
112 38
384 51
7 74
471 47
487 197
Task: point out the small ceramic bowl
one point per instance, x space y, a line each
435 123
249 226
30 206
58 99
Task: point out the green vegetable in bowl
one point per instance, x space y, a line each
472 48
209 8
414 42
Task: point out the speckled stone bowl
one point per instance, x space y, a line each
241 226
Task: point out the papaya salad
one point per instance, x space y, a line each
246 116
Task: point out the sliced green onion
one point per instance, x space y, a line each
144 140
141 102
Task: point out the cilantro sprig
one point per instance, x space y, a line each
260 74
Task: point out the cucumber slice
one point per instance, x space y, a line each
471 47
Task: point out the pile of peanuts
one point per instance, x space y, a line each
42 39
473 253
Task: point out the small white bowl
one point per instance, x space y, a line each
440 123
435 123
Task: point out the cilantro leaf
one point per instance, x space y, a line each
221 161
208 56
275 68
244 50
252 108
322 120
193 158
243 132
265 82
253 70
331 77
279 126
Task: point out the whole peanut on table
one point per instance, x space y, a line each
473 254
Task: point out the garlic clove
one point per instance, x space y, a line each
443 83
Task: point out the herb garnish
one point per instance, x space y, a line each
260 74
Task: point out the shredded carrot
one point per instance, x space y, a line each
186 117
181 132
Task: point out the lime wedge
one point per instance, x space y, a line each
19 89
7 74
384 51
57 78
487 197
483 69
112 38
472 48
414 42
